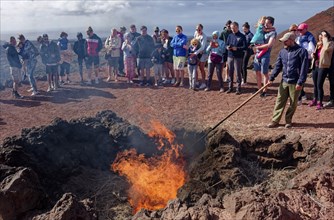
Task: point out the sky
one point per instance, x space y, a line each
35 17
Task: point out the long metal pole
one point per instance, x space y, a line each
232 112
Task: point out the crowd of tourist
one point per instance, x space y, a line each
135 55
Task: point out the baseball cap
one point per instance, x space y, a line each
288 36
302 26
156 29
122 28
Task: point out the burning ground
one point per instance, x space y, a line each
93 168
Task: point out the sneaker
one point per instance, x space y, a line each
61 82
312 103
172 81
34 93
319 106
300 102
238 92
96 80
272 124
131 81
155 84
229 90
141 84
17 95
89 82
197 84
181 84
147 84
30 90
206 89
222 90
49 89
109 79
203 86
288 125
304 97
329 104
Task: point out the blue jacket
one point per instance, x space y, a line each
79 48
294 63
236 40
177 43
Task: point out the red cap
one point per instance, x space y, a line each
302 26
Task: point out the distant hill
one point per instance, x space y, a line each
321 21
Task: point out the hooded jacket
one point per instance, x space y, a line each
50 53
293 61
220 50
94 45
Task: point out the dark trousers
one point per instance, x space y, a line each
211 68
321 77
247 55
80 63
121 63
331 83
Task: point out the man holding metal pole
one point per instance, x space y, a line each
293 62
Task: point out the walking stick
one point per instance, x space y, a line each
232 112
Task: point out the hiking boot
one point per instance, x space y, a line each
329 104
272 124
288 125
312 103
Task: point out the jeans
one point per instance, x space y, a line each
31 65
192 69
322 74
211 67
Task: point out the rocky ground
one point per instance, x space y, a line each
285 173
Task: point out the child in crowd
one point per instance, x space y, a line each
158 59
193 61
66 57
129 61
258 37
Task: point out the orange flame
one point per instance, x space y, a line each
153 180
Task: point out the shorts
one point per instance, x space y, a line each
144 63
113 62
179 62
15 73
51 69
263 65
92 60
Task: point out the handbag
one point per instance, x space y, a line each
215 58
